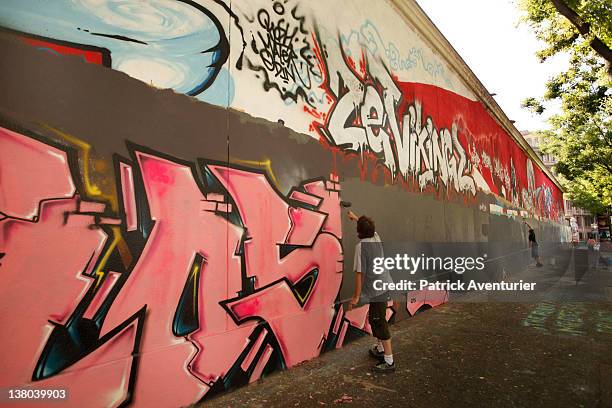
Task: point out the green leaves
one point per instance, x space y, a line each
533 105
581 135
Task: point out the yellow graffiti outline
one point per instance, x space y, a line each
99 273
194 272
90 188
308 292
265 164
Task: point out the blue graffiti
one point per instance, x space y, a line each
179 45
368 37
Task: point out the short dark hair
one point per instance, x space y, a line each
365 227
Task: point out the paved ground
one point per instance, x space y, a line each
547 354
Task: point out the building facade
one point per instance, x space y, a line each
582 222
172 174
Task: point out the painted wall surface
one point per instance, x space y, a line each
171 228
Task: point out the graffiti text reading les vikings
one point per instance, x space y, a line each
364 118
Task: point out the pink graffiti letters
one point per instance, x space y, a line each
48 275
230 279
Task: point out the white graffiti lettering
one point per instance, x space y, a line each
364 119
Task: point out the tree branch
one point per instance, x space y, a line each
585 29
605 167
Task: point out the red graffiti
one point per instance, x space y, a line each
89 53
426 138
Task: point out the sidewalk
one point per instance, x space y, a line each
461 354
553 352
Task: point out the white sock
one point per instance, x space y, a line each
379 347
389 359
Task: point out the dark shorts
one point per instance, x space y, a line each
534 251
377 317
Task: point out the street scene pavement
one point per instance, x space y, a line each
556 352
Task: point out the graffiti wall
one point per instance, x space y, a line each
171 175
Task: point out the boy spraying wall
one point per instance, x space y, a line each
368 248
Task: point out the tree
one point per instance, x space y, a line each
581 135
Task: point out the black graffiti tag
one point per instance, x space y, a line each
277 53
286 59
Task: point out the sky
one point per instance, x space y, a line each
499 51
